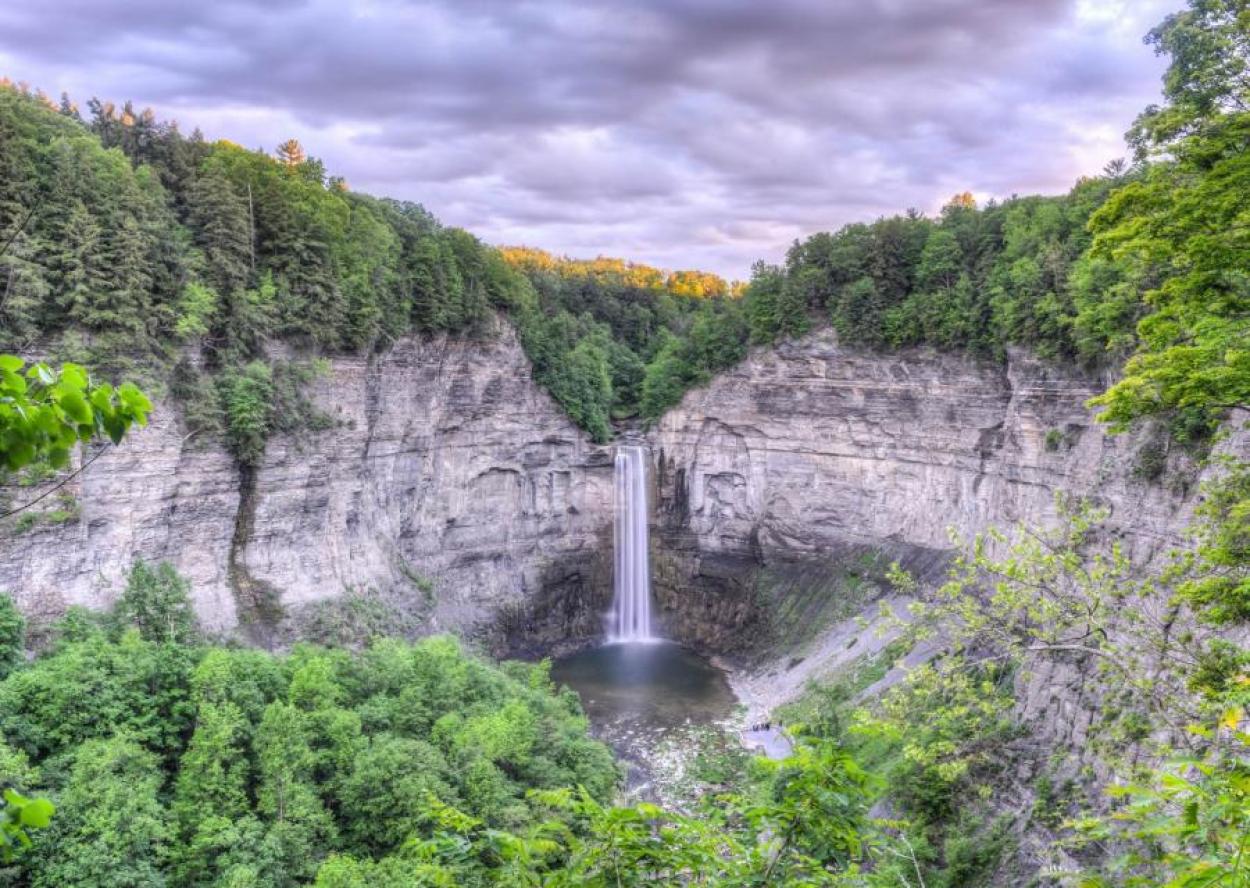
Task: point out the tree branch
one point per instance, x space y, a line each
47 493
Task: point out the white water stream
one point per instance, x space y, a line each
631 609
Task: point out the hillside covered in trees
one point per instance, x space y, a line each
175 760
137 248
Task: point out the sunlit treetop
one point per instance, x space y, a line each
689 283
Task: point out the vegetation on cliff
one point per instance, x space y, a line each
175 761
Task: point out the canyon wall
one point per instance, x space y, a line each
449 485
452 488
816 453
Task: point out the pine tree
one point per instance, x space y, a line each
435 286
23 292
73 266
68 108
124 303
222 223
291 153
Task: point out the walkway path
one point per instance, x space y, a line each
773 743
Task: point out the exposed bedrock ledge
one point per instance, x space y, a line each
811 450
451 484
456 488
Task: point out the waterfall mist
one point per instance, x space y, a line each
631 611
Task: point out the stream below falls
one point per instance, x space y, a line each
644 700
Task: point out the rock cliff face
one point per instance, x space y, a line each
459 491
815 452
450 483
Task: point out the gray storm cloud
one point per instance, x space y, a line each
685 133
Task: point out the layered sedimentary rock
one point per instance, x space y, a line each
449 483
817 452
455 488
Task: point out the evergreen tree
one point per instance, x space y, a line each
12 635
24 293
68 108
76 277
291 153
123 303
221 219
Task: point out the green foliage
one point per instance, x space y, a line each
112 829
1183 225
974 280
407 763
156 601
44 413
1192 353
12 635
197 310
172 763
356 617
247 402
1220 586
1185 825
59 701
952 754
1206 80
21 814
611 339
129 238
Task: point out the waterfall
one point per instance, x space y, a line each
631 579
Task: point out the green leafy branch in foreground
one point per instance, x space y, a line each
1186 827
20 814
1164 682
44 412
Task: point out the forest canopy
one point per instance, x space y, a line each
139 249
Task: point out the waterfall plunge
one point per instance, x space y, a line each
632 576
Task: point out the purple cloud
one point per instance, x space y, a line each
688 133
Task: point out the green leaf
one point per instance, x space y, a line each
102 397
73 377
58 457
115 427
76 407
38 813
20 454
12 381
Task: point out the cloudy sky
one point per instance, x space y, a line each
684 133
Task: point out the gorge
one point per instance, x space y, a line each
453 487
340 548
453 492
